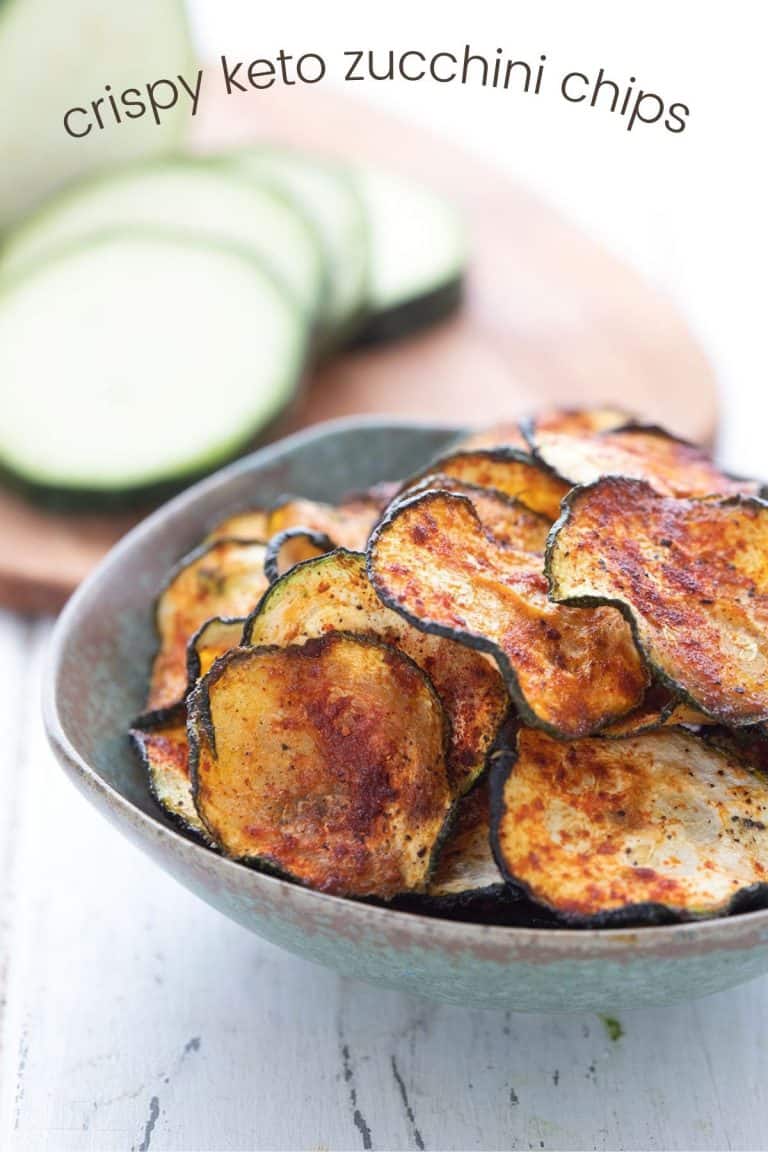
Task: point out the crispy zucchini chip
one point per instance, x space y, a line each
292 547
507 520
467 870
568 670
334 594
660 709
222 578
691 575
652 827
573 422
348 525
212 640
506 435
324 762
249 525
671 466
514 473
164 751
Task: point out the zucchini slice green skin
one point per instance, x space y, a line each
466 872
431 561
291 547
516 474
689 576
411 316
163 748
217 578
212 639
672 466
345 739
652 829
333 593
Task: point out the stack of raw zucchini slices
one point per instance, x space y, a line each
156 320
528 685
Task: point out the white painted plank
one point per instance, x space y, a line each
139 1018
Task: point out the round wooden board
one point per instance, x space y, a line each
550 317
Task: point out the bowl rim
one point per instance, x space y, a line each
741 930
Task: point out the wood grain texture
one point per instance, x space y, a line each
135 1017
550 317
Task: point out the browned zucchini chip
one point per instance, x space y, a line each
659 709
568 670
292 547
644 452
348 525
164 751
652 827
505 435
514 473
212 640
223 578
324 762
333 594
691 575
249 525
573 422
466 869
507 520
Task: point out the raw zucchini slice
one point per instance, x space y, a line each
54 57
164 750
573 422
212 639
506 519
186 198
292 547
165 386
347 524
514 473
333 594
248 525
652 827
326 193
568 670
418 254
467 870
690 575
224 578
644 452
324 762
506 435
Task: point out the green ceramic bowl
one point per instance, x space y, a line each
95 686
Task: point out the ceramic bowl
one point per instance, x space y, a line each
95 685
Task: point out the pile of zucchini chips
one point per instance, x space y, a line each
221 280
526 686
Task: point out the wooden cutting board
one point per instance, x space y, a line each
550 317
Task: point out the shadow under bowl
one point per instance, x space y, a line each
95 684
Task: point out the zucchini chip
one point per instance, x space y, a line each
568 670
690 575
334 594
222 578
291 547
514 473
348 524
505 518
325 763
659 709
671 466
573 422
164 751
249 525
663 826
212 640
466 870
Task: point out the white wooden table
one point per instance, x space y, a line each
135 1017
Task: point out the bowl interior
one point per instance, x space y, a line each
106 636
